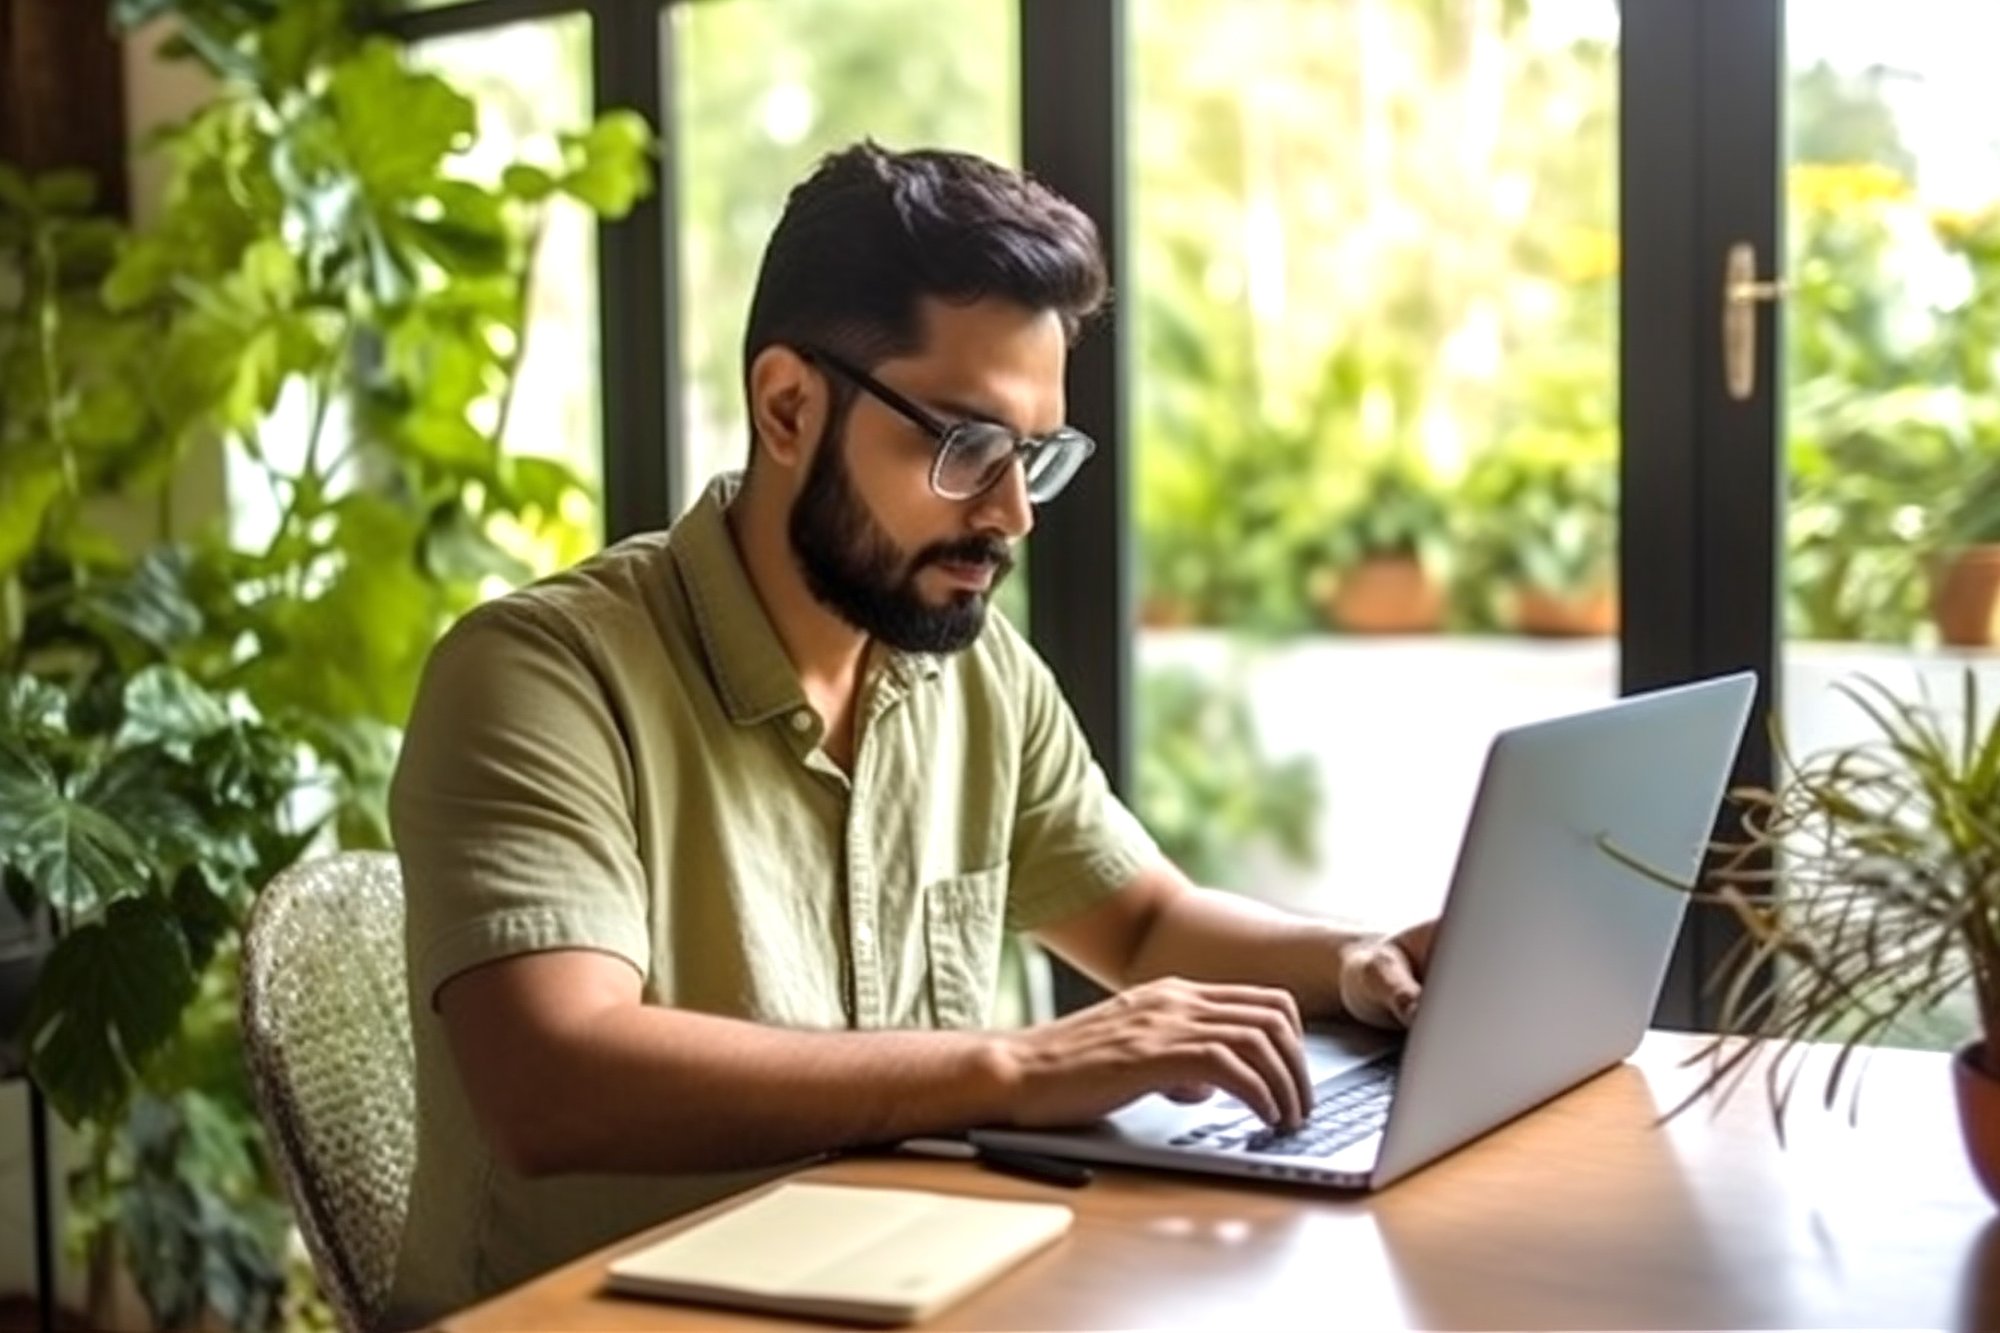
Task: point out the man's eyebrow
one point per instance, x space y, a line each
951 407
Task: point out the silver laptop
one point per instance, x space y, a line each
1549 956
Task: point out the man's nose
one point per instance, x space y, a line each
1004 506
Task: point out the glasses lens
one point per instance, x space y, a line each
1053 461
971 458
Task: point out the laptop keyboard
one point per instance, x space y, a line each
1345 1111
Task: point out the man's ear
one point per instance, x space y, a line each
788 405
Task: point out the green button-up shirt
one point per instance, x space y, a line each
621 758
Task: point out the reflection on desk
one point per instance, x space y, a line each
1585 1213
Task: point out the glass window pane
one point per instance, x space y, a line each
763 89
1892 427
531 82
1377 422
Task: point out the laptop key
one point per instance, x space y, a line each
1342 1116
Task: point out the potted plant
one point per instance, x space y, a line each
1965 563
1867 883
1539 547
1379 564
139 807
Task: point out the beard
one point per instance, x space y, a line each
857 571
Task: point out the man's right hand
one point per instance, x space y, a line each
1182 1038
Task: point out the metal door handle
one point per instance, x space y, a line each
1742 289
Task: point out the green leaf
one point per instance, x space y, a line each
269 275
203 915
163 706
302 35
133 13
109 995
620 133
152 604
456 548
610 167
72 192
31 708
528 182
73 853
449 440
458 249
255 768
160 1223
28 487
608 188
255 380
357 649
215 1142
141 273
396 126
530 481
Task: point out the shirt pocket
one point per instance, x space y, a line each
964 920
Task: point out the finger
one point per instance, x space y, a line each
1189 1093
1274 998
1394 984
1217 1063
1284 1040
1257 1049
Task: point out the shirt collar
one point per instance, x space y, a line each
746 659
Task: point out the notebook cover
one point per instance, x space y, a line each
847 1252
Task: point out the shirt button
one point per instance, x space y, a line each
864 937
802 720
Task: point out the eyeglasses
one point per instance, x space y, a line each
973 455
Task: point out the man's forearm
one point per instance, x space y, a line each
660 1090
1209 935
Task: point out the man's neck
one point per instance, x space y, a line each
828 653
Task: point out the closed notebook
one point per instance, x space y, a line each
875 1256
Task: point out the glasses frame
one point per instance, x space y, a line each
1027 448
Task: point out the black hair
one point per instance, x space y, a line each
871 232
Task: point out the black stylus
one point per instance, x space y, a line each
1033 1166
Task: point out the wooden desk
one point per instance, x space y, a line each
1583 1214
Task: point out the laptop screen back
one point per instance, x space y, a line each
1551 953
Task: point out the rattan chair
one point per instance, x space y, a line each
327 1029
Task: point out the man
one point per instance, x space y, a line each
710 844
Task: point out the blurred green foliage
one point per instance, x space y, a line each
762 90
323 295
1211 795
1348 298
1539 515
1893 452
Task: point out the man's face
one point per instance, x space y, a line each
876 544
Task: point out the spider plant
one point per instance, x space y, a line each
1867 882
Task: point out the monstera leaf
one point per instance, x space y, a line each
110 994
74 854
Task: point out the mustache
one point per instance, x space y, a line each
968 551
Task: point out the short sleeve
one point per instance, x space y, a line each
1074 843
511 804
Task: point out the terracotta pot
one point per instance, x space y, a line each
1979 1114
1387 595
1965 598
1593 614
1165 613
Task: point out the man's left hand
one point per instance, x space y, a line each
1381 976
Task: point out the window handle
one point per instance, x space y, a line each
1742 290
